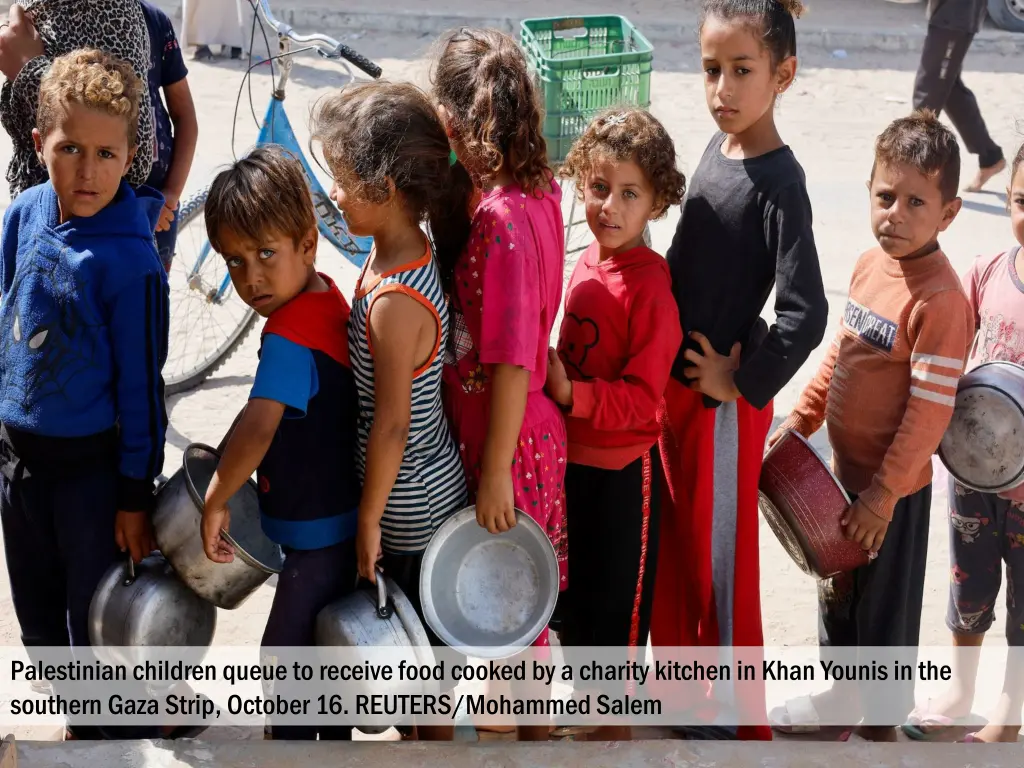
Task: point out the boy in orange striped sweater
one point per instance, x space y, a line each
886 392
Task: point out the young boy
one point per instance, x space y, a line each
298 430
175 127
886 392
83 336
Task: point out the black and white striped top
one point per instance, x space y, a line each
430 485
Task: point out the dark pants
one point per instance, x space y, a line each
984 532
879 604
939 87
311 580
614 520
59 542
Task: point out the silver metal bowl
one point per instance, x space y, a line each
488 595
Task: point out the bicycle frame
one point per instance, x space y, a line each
277 129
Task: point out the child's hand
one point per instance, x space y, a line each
865 527
495 502
166 219
368 550
712 373
558 385
776 436
134 533
214 521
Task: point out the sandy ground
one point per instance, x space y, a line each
830 118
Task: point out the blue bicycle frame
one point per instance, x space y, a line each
277 129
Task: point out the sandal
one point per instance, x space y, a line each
927 726
798 715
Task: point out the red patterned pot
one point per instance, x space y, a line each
803 503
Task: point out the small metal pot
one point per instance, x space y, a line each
147 605
983 447
383 618
177 526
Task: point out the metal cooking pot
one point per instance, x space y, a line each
177 526
488 595
142 605
381 618
983 447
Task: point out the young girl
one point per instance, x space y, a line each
987 529
745 227
390 157
505 290
619 336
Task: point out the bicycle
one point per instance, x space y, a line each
208 323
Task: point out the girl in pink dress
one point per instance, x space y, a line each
505 289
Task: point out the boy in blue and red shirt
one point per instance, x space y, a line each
298 429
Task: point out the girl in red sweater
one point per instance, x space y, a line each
618 339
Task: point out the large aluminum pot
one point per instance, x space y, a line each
983 447
804 503
142 605
377 618
177 521
488 595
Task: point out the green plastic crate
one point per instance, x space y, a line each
584 65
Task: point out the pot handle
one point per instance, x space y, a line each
384 607
130 578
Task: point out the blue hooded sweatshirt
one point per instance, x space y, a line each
83 336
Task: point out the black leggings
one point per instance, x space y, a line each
613 517
311 580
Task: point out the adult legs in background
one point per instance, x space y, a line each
939 87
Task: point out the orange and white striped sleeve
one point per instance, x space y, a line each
941 329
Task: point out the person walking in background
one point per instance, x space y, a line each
952 25
212 22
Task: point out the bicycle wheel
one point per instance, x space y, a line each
208 321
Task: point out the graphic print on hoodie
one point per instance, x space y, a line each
619 337
84 326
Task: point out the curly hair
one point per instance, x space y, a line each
921 141
93 79
632 134
263 194
1018 159
482 81
378 134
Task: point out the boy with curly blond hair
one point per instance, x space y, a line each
83 338
618 339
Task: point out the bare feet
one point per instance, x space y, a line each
985 175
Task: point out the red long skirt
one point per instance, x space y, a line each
684 612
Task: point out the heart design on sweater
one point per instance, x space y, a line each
579 340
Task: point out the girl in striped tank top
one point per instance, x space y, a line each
390 157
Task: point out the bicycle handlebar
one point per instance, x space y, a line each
334 49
